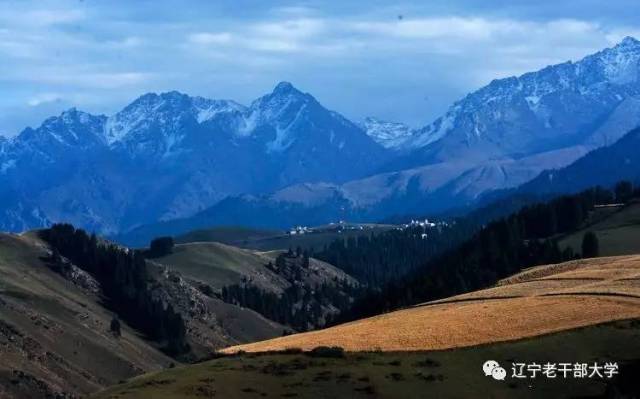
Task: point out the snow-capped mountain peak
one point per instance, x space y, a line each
620 63
165 114
284 88
282 99
71 128
392 135
536 110
207 109
281 109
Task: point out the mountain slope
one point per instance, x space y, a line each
604 166
52 329
617 233
428 189
455 373
392 135
220 265
546 299
288 288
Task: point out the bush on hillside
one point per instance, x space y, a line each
327 351
161 246
590 245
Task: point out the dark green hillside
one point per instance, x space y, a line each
604 166
168 309
217 264
126 282
453 373
55 334
618 231
287 287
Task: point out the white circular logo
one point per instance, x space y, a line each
499 373
493 369
488 366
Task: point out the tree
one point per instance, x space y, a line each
124 280
624 191
590 245
115 327
161 246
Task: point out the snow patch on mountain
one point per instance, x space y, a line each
433 132
621 66
207 110
166 112
392 135
282 110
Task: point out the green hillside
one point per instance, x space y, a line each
219 265
617 229
52 330
231 235
452 373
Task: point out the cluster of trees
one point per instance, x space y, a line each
160 246
625 191
301 306
299 259
499 249
125 282
377 259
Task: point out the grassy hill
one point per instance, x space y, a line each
53 330
617 229
219 264
581 311
55 336
541 300
297 292
231 235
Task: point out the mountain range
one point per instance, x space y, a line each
169 162
170 155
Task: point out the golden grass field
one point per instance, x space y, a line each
537 301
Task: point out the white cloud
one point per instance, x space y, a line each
206 38
116 53
43 98
434 28
284 36
47 17
616 35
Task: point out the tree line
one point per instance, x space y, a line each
125 282
498 249
377 259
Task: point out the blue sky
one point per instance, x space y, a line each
403 61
